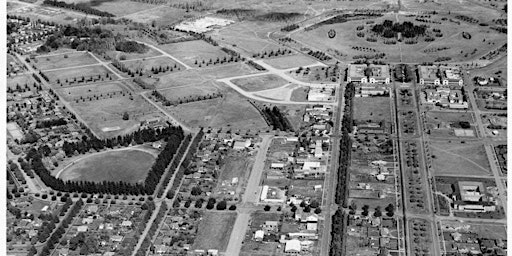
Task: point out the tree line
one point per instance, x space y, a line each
51 123
276 119
339 221
81 7
389 29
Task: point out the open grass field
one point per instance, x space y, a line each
60 61
300 94
91 90
215 231
283 93
496 69
291 61
77 73
460 159
20 80
227 70
123 7
191 51
120 165
452 38
372 108
230 111
183 78
163 15
260 83
189 91
105 116
157 62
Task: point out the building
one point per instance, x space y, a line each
356 73
241 144
258 235
451 75
379 74
320 94
292 246
429 75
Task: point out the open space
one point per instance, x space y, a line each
290 61
372 108
455 158
65 60
130 165
260 83
71 73
192 51
215 231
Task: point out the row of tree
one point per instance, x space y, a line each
173 166
152 230
50 123
276 119
339 221
59 232
81 7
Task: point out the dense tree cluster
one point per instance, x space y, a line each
342 18
389 29
290 27
130 46
278 16
81 7
50 123
173 166
339 224
256 65
276 119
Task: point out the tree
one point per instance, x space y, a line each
266 208
314 204
222 205
318 210
390 210
126 116
211 203
365 210
196 191
232 207
170 195
377 212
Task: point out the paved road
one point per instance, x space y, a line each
238 234
329 188
251 194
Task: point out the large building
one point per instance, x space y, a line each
429 75
444 75
451 75
368 74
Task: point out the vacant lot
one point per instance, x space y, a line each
372 108
66 60
456 158
190 91
132 56
147 64
230 111
215 231
105 116
192 51
121 165
260 83
290 61
77 73
91 90
20 80
300 94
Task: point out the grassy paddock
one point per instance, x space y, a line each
215 231
372 108
61 61
191 51
260 83
121 165
456 158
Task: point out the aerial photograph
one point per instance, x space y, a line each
255 127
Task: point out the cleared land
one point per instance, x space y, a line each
290 61
91 90
148 64
190 91
131 56
230 111
77 73
121 165
460 159
191 51
260 83
372 108
64 60
20 80
300 94
106 116
215 231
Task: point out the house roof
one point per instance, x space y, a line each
292 246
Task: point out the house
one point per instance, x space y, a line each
87 220
126 223
240 144
92 209
292 246
116 238
258 235
157 144
356 73
82 228
161 249
213 252
271 226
